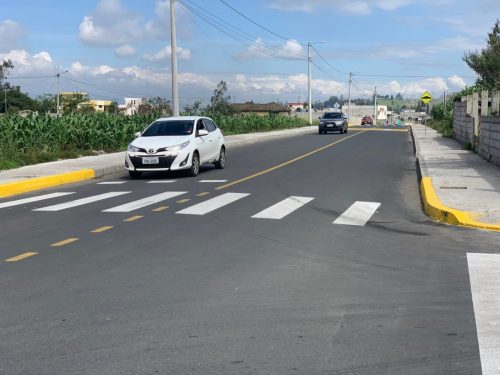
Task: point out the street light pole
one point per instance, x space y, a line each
375 106
5 99
349 110
309 60
309 90
173 56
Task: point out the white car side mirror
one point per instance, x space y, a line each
202 132
138 134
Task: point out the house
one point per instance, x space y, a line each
260 109
100 105
131 106
296 106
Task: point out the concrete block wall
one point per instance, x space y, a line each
489 139
463 125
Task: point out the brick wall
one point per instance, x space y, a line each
489 139
463 125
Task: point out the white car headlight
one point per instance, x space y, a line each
177 148
132 148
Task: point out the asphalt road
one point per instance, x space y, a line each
228 293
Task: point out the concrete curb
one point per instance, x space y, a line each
434 208
18 187
438 211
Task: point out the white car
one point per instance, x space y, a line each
176 143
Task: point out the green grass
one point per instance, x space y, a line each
444 126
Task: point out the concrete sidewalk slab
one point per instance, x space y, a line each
39 176
462 181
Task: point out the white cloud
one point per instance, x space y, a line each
125 50
165 53
362 7
111 24
25 64
456 82
260 50
11 33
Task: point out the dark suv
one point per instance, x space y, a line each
332 121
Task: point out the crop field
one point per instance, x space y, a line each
30 140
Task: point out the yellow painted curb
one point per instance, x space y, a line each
438 211
18 187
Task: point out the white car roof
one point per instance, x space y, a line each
176 118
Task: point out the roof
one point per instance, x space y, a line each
255 107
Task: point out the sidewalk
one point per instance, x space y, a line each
467 186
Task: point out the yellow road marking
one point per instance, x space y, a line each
285 163
64 242
184 200
133 218
21 257
102 229
159 209
202 194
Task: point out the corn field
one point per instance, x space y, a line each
27 140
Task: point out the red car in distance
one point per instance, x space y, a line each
366 120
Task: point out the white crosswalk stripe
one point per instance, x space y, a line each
212 181
135 205
212 204
33 199
283 208
82 201
358 214
111 182
161 181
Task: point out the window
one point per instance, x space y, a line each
209 125
165 128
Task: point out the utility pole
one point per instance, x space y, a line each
309 81
5 99
173 55
349 110
375 106
58 75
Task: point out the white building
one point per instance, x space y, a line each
131 106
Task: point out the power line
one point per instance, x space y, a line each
327 63
402 76
262 27
237 34
325 72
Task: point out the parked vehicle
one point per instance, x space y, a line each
332 121
176 143
366 120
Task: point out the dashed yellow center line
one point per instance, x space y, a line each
21 257
102 229
133 218
64 242
159 209
183 200
265 171
202 194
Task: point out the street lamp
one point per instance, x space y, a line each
309 45
173 60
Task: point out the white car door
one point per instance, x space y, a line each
202 143
214 139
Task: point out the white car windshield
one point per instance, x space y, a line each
166 128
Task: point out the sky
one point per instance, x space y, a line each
113 49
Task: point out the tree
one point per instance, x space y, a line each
73 103
399 96
193 110
219 102
155 106
4 69
46 103
486 63
18 101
